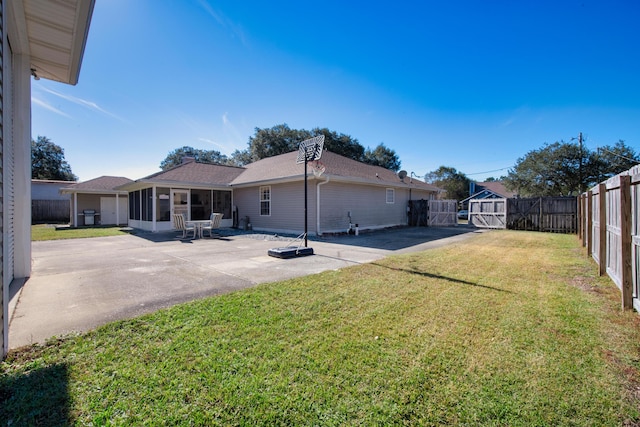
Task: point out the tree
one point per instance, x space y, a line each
281 139
47 161
558 169
175 157
455 184
341 144
566 168
382 156
612 160
270 142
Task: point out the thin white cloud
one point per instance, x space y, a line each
226 23
83 103
49 107
232 132
507 122
212 142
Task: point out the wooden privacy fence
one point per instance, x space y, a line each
609 228
50 211
547 214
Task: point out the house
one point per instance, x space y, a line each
110 206
43 39
47 203
487 190
269 195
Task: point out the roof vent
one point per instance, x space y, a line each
187 159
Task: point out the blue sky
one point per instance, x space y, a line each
469 84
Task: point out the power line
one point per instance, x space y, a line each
617 155
495 170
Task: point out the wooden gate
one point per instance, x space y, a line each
418 213
433 213
488 213
443 213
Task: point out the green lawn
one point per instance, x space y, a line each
506 329
56 232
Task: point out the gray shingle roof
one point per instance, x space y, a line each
198 173
284 167
280 168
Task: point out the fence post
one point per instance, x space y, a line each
581 215
625 226
589 227
602 252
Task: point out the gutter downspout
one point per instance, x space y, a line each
318 233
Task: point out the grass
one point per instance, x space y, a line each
53 232
509 328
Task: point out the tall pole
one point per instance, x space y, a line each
305 200
581 184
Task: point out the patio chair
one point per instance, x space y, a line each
181 225
216 218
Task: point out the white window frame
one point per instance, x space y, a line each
265 190
391 196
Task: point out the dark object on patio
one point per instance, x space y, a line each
292 250
289 252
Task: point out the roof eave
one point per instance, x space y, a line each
53 57
146 183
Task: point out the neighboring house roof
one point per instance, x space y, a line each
55 34
489 190
284 168
103 184
496 187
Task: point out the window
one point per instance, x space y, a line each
391 195
147 204
134 205
265 201
163 205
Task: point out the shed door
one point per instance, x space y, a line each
109 208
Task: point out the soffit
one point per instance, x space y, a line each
57 32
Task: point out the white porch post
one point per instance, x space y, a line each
117 209
22 165
75 209
153 206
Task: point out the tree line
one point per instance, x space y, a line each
281 139
557 169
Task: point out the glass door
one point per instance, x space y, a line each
180 203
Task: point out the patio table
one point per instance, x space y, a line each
198 224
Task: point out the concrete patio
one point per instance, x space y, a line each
79 284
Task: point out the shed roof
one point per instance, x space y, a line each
102 184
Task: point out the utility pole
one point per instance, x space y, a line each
581 185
